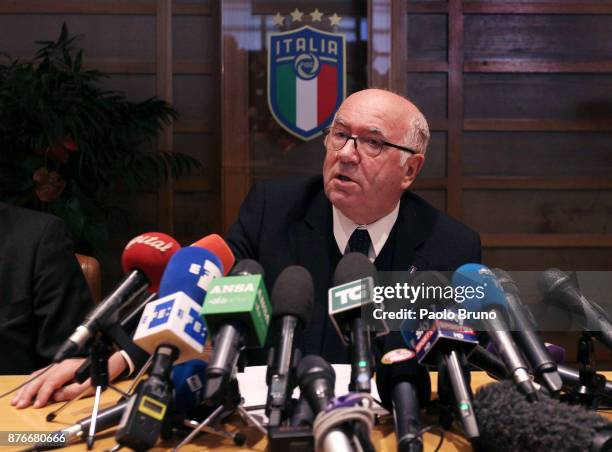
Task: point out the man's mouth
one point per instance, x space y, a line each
344 178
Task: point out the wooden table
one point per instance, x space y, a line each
32 419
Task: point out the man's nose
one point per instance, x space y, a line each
348 153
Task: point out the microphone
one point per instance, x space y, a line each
559 289
352 292
292 300
316 378
105 419
444 344
404 387
524 333
174 318
237 313
144 259
188 382
219 247
510 423
491 308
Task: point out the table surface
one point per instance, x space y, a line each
31 419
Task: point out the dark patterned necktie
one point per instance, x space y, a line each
360 241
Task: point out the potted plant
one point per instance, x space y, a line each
67 145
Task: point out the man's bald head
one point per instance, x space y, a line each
405 117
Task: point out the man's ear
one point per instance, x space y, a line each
412 168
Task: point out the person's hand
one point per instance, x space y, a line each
57 383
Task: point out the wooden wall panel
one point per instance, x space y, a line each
435 163
427 36
428 92
107 37
548 96
193 38
566 37
537 154
538 259
541 212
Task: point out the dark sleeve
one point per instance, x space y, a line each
61 297
243 236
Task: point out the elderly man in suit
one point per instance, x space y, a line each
375 149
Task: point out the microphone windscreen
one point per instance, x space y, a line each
550 279
188 381
313 366
293 294
216 245
478 276
387 375
508 422
190 271
353 266
247 267
149 253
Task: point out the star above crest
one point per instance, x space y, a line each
296 15
316 15
334 19
278 19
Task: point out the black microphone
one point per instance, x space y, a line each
509 423
524 333
352 292
559 289
316 378
106 419
292 300
237 312
404 387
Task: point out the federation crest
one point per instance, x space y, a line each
306 79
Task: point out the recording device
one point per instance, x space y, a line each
316 378
523 331
237 313
558 289
292 300
508 422
350 301
492 310
144 259
142 419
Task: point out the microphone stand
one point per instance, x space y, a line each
232 403
591 384
119 337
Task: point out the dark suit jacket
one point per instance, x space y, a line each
44 295
289 222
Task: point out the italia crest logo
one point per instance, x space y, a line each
306 79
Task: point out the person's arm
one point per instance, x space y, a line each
60 295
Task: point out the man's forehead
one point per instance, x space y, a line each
341 121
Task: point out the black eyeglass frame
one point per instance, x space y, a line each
384 143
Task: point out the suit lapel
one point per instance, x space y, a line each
310 241
412 228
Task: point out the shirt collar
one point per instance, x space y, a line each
379 230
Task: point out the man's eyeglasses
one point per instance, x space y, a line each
371 146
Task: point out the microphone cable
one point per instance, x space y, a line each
359 412
16 388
